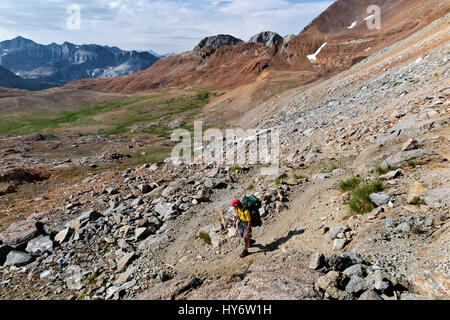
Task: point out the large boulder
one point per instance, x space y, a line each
267 38
19 233
18 259
153 240
416 157
435 198
40 245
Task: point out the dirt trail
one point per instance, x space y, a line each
293 228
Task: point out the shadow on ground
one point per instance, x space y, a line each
276 244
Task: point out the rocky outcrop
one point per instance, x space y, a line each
218 41
267 38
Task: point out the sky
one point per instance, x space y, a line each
164 26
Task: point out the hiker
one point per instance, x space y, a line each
244 226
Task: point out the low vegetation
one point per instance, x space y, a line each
205 237
380 170
330 169
360 202
349 184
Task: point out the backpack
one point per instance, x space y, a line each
252 203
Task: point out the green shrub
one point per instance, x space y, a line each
349 184
330 169
300 176
380 171
251 187
205 237
418 230
236 168
360 202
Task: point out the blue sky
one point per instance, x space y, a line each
159 25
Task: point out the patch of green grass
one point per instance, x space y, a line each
42 121
412 164
349 184
360 202
279 180
418 202
418 230
300 176
380 171
205 237
236 168
251 187
330 169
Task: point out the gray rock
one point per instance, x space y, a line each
370 295
321 176
218 41
338 244
391 175
165 210
125 260
355 270
19 233
152 240
356 285
419 156
435 198
63 235
317 261
330 279
144 188
40 245
379 198
74 278
18 259
342 261
267 38
403 227
141 233
337 230
83 219
112 191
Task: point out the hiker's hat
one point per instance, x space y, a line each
234 202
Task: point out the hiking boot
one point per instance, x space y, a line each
244 253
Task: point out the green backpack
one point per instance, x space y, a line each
252 203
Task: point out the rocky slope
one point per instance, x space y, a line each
58 64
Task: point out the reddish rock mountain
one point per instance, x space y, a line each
343 27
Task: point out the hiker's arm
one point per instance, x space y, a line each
235 220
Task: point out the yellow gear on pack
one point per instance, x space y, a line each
243 214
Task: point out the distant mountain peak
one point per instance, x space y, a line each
218 41
267 38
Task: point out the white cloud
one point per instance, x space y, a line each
161 25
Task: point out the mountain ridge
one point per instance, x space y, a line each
58 64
